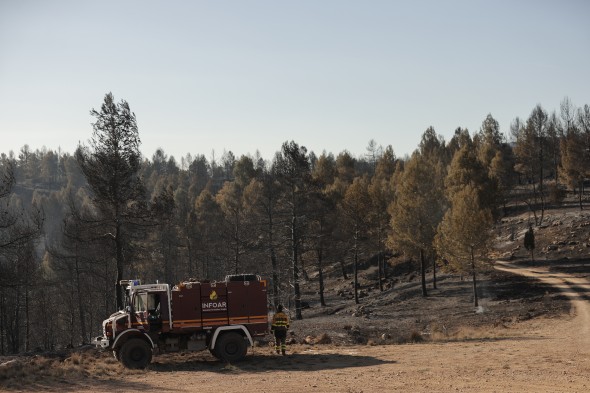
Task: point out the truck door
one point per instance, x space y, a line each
154 310
140 309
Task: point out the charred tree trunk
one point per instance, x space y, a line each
343 269
273 258
119 245
27 319
580 194
2 323
275 276
356 282
475 299
190 256
380 255
81 311
423 273
321 276
294 260
302 262
434 273
237 246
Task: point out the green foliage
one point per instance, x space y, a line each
418 206
464 232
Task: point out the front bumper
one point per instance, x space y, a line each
101 342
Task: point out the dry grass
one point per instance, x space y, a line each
28 372
439 333
468 334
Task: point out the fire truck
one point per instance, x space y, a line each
223 317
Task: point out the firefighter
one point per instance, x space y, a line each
279 326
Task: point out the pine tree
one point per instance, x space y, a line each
463 236
261 202
532 155
417 210
111 164
381 194
294 172
356 206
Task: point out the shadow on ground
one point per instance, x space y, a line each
298 362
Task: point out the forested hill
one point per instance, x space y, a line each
73 225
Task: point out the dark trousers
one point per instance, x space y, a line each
280 340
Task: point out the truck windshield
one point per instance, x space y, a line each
127 300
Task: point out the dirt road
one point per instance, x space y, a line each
540 355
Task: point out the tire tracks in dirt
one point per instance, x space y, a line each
577 289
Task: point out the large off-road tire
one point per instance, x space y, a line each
135 353
230 347
214 353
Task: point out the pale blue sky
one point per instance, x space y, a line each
249 75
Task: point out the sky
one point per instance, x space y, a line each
204 77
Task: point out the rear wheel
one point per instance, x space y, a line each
230 347
135 353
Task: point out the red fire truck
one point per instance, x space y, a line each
221 316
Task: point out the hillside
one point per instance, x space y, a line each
400 314
511 306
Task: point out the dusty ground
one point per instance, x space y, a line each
531 333
537 355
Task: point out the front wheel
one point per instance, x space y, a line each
135 353
214 353
231 347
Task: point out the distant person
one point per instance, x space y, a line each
529 241
279 326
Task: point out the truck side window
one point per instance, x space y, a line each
153 303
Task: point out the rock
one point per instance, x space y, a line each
552 247
13 362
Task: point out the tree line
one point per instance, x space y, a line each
73 225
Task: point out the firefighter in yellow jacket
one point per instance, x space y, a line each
279 326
